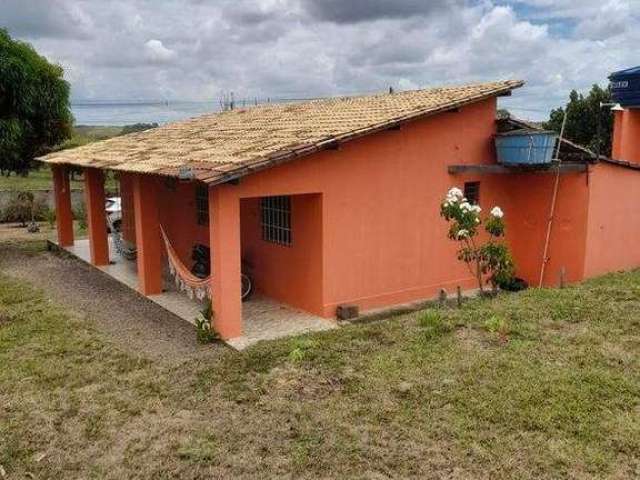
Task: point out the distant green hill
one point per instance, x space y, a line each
83 134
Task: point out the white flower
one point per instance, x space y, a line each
455 192
477 220
497 212
462 233
476 208
466 206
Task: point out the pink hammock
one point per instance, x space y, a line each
185 280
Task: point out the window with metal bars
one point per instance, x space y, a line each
276 219
202 205
472 192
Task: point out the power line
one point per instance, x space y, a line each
527 109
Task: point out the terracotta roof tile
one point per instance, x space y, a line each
226 145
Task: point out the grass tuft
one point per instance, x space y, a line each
434 324
199 448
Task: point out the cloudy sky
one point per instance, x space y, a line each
197 49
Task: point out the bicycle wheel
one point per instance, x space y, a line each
246 286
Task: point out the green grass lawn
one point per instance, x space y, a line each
540 384
36 180
41 180
83 134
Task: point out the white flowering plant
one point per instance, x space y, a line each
491 259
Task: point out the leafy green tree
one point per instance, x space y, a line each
34 105
503 113
582 119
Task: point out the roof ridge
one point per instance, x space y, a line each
516 83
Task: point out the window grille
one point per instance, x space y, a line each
472 192
202 205
276 219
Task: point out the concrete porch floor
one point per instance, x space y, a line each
262 317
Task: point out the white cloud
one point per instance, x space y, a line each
195 49
46 19
611 19
156 52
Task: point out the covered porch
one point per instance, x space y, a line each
149 203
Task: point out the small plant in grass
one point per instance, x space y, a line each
80 214
498 325
50 217
201 448
204 324
300 349
433 324
491 258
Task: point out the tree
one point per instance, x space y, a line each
34 105
503 113
582 119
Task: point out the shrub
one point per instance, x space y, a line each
498 325
491 258
23 207
513 284
80 214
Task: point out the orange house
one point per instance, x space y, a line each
336 202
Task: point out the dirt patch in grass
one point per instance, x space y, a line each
16 232
293 384
543 384
471 338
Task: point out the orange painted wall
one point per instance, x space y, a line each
289 274
177 202
64 213
177 214
366 224
383 240
526 202
226 255
626 135
614 220
94 200
148 240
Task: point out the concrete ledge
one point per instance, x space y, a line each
563 167
405 308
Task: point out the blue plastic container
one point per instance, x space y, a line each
526 147
625 87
